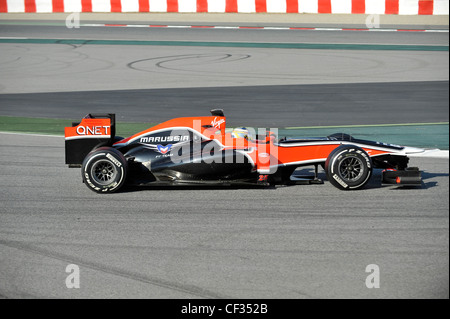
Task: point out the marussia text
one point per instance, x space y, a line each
229 308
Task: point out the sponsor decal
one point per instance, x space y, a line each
217 123
93 130
164 149
365 156
114 160
340 181
163 139
90 183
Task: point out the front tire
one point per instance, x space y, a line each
104 170
348 167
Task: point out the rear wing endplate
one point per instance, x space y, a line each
93 131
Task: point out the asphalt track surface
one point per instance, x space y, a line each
37 29
289 242
274 106
37 68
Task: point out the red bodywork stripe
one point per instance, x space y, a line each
183 122
89 128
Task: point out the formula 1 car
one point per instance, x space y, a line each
200 151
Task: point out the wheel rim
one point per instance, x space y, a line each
103 172
351 169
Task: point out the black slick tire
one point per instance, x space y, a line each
104 170
348 167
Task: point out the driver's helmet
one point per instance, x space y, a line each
241 132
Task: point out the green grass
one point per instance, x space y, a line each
56 126
33 125
426 135
315 46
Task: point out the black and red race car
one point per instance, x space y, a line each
200 151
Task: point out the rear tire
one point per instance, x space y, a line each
348 167
104 170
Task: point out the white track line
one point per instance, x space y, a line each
33 134
258 28
435 153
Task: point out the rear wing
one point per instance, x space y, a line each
94 130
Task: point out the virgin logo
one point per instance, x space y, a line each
217 123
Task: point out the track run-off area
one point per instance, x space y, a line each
291 242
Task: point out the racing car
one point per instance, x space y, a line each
202 151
